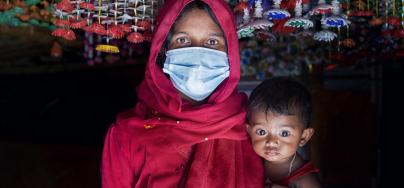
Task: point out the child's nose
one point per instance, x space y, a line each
271 141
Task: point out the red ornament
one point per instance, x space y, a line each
350 43
376 22
394 21
88 6
125 28
79 24
59 32
331 66
62 23
65 6
69 35
364 13
146 25
240 7
280 28
290 5
97 29
115 32
135 37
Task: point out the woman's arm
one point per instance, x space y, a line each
116 171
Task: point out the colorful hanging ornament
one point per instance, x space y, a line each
135 37
336 20
277 13
110 19
394 21
322 8
245 31
298 21
280 28
376 21
361 11
107 48
257 8
56 50
325 36
5 5
260 24
348 42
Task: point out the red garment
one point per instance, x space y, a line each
303 170
162 143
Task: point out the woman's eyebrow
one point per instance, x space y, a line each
180 32
218 34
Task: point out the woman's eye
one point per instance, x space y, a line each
213 42
261 132
182 40
284 133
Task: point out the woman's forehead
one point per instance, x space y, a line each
197 19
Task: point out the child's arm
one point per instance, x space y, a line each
307 181
278 186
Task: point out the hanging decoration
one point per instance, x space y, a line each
109 19
277 13
325 35
281 20
298 21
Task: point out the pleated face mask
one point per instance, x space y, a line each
196 71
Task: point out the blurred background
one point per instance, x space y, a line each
59 92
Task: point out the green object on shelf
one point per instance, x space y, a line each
31 2
16 10
34 22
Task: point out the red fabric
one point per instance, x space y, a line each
305 169
163 143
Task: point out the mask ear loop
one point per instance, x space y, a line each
291 164
161 57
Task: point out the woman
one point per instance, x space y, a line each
188 127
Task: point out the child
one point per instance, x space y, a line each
279 111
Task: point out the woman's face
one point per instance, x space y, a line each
197 29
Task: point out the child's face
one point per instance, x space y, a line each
277 137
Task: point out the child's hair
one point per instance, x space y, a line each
283 97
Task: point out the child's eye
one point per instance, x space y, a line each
284 133
261 132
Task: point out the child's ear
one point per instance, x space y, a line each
306 135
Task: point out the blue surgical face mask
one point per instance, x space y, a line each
196 71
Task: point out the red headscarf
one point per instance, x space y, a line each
161 143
